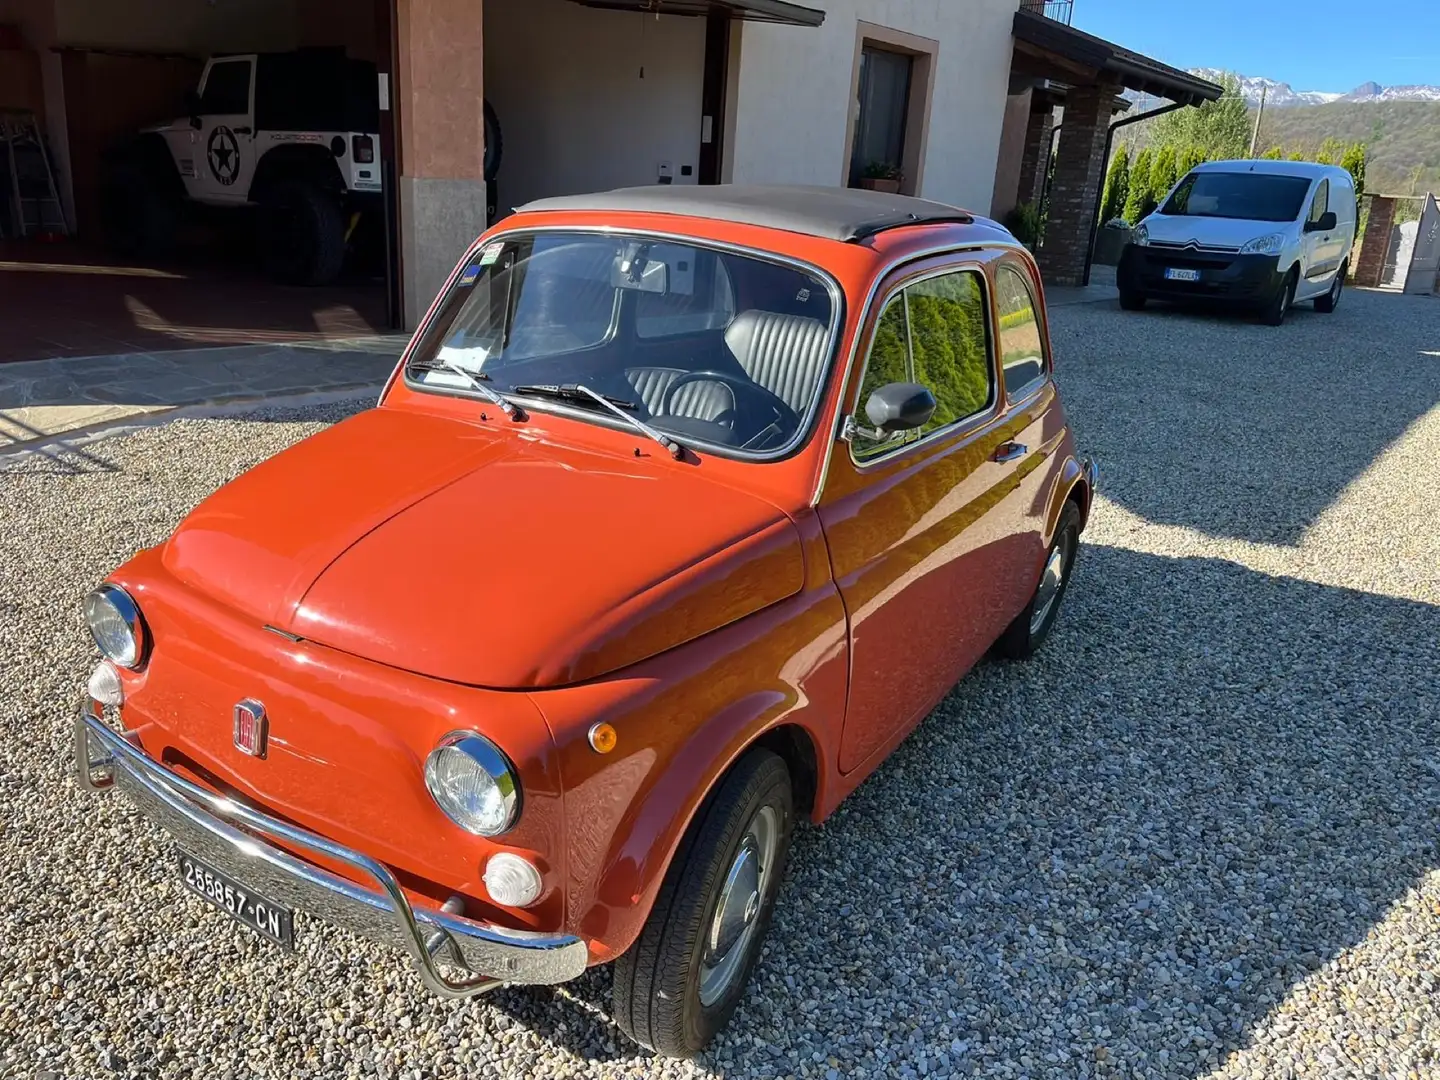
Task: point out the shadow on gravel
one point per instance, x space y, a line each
1118 858
1219 423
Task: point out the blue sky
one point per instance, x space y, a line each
1320 45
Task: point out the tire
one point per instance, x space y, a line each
494 143
1331 300
1131 301
660 982
1274 312
138 217
302 234
1023 638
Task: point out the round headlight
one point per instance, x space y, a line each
473 783
116 625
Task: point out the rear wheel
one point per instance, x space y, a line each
1274 312
1131 301
1023 637
1327 303
138 216
682 979
302 233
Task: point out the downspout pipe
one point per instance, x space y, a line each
1100 195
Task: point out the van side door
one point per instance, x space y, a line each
1319 248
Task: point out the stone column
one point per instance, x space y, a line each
1371 265
1035 157
1079 169
440 96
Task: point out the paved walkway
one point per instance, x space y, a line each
43 399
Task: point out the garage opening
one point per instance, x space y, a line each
225 170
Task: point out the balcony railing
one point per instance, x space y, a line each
1059 10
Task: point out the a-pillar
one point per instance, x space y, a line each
1035 157
1075 189
441 100
1375 245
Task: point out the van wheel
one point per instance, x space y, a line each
682 979
1023 637
303 233
1274 312
1131 301
1327 303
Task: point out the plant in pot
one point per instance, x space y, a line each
882 176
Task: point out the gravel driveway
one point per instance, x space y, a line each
1197 838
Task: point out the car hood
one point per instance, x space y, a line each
1211 231
481 557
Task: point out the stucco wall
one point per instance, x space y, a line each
576 115
794 100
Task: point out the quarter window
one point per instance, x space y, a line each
1022 353
933 333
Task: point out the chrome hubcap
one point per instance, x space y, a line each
732 928
1050 581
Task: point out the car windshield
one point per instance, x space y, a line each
1252 196
713 347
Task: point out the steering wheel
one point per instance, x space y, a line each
781 409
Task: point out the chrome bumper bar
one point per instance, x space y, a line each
209 826
1091 472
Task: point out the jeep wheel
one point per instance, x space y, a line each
302 234
678 984
494 143
138 217
1023 637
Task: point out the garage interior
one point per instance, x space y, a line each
92 73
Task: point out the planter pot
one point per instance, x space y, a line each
889 187
1109 243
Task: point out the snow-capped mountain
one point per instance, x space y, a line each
1279 94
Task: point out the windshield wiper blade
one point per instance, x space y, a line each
473 378
578 392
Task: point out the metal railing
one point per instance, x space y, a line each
1059 10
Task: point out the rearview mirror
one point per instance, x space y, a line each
639 273
1324 224
900 407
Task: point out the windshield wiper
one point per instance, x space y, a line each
473 378
579 393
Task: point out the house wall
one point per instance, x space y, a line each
178 25
36 20
575 112
1011 154
794 103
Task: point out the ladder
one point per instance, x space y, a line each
33 203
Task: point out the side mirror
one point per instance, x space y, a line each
192 106
900 407
1325 224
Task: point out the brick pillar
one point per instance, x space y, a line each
1371 264
1079 170
1035 156
440 92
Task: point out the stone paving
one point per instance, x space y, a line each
42 399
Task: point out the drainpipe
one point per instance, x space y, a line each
1100 195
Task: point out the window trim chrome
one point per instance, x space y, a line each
809 423
965 423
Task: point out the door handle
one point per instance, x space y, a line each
1009 452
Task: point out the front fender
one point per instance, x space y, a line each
682 721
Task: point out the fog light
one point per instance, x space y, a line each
511 880
104 685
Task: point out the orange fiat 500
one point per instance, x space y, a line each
682 508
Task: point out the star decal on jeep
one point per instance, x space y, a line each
224 154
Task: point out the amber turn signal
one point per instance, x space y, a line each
603 738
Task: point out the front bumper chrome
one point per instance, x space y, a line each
231 837
1091 472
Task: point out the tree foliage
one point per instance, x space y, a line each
1139 193
1219 129
1189 157
1399 137
1273 154
1353 162
1162 175
1117 185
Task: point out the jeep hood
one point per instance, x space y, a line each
484 557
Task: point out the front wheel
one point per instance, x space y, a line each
1275 311
1328 303
682 979
1131 301
1023 637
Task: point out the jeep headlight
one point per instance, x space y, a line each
1264 245
1141 236
116 625
473 783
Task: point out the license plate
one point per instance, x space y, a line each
1175 274
241 903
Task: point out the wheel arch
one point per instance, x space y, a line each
302 162
1073 485
149 152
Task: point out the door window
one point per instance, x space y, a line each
883 104
227 89
1022 351
1322 201
933 333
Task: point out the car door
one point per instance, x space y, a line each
1315 245
913 521
224 160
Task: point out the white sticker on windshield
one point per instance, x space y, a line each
491 253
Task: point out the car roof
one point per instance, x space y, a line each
845 214
1307 169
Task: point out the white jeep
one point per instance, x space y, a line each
294 136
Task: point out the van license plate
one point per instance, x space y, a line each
1174 274
241 903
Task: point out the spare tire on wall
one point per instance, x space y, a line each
494 143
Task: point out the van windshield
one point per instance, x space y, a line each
710 346
1252 196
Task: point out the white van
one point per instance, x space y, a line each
1257 234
